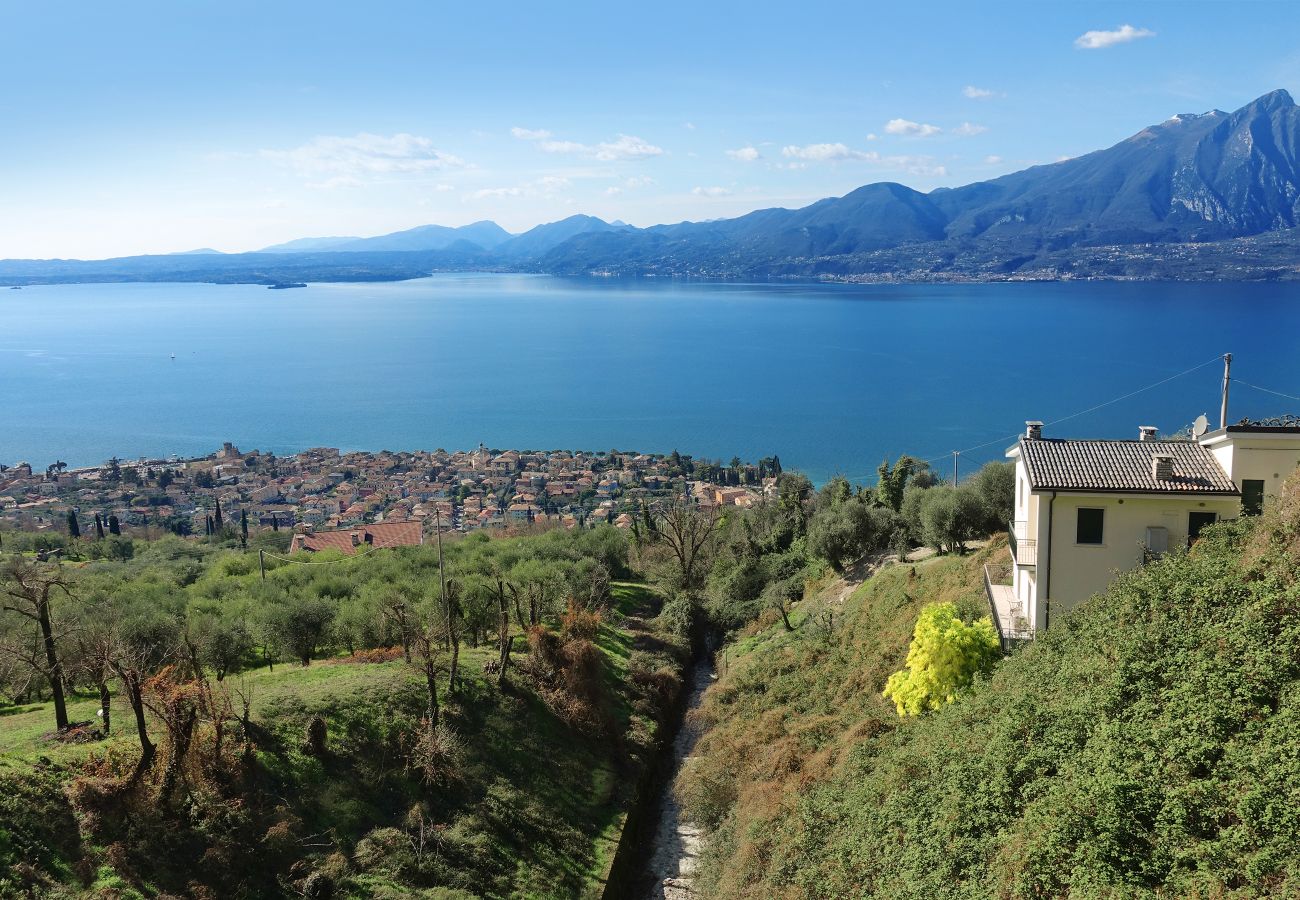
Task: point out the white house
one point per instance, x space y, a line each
1088 509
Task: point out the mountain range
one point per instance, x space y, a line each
1200 195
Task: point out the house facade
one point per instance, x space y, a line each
1088 509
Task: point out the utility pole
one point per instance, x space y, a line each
442 575
955 454
1227 377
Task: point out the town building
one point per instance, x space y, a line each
1086 510
349 540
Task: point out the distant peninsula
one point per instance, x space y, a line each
1199 197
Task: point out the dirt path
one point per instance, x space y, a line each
677 842
866 566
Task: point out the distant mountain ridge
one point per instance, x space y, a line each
1208 195
1191 179
485 235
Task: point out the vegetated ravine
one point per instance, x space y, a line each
672 853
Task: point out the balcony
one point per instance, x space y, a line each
1008 612
1024 549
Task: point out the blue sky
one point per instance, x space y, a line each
156 127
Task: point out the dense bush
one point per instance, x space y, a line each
1144 747
945 656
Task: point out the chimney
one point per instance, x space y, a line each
1034 431
1147 432
1162 467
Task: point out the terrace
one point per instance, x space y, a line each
1007 611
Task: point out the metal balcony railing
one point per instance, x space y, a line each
1008 613
1024 549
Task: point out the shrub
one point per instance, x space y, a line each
579 623
945 655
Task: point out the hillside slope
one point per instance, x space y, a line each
1144 747
319 786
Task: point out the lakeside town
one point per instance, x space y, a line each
323 491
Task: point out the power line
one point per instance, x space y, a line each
1084 412
1266 390
323 562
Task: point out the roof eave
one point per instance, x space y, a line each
1208 492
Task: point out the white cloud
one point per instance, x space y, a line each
966 129
443 188
550 184
343 161
976 93
689 126
710 191
562 147
1096 40
613 191
826 153
636 181
547 186
872 136
915 165
624 147
910 129
627 147
529 134
745 154
992 159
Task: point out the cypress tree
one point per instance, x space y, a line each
99 527
243 528
74 529
275 523
114 525
216 520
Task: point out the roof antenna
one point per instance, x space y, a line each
1227 378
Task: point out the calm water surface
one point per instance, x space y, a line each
832 378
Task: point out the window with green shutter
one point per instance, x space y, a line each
1252 496
1090 526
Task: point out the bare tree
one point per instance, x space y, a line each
131 666
451 624
393 606
688 530
501 592
28 591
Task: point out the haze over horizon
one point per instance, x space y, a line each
238 127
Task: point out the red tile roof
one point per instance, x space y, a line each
347 540
1070 465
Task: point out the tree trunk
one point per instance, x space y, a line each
431 683
178 747
135 697
785 618
504 635
453 684
104 699
53 669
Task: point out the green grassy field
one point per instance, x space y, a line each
534 809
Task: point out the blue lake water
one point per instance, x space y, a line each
830 377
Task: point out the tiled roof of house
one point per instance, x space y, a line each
384 534
1069 465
